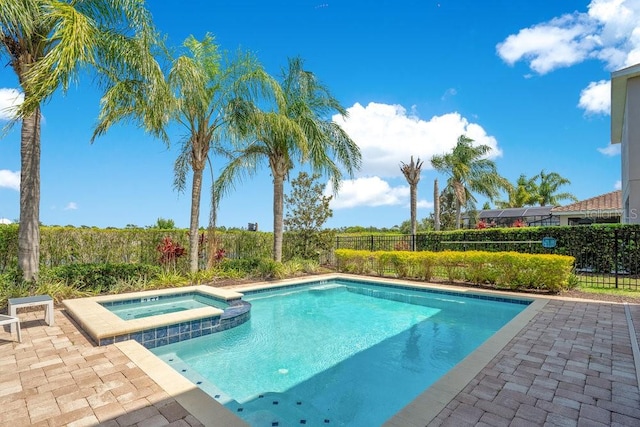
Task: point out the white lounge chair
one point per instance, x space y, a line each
11 320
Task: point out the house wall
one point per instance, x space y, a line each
631 153
586 218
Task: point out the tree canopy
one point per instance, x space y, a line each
469 171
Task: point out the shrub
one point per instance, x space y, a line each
99 278
504 269
270 269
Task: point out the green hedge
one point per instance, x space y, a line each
599 248
100 278
69 245
503 269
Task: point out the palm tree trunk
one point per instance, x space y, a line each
414 221
278 206
436 206
29 226
458 214
194 223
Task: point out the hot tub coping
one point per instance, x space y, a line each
101 324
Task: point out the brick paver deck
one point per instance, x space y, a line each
571 365
57 377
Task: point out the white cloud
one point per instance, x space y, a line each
423 204
609 31
387 135
618 185
9 179
610 150
371 191
558 43
9 100
71 206
451 92
5 221
596 98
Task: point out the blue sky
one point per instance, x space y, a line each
530 79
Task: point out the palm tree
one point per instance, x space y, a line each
206 92
548 189
469 172
524 193
297 128
47 42
411 172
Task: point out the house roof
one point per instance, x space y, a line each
610 202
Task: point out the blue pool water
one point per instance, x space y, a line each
156 305
343 353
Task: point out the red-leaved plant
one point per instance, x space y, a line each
170 251
519 223
219 256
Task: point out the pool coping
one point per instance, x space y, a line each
419 412
101 324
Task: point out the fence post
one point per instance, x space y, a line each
371 247
615 255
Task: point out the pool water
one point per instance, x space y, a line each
347 354
153 306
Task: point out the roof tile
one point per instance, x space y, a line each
605 202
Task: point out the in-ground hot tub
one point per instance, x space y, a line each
160 317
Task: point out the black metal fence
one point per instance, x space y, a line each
605 257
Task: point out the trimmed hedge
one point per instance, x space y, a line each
502 269
598 248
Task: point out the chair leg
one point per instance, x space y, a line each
13 311
18 332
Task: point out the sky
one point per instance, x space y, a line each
531 79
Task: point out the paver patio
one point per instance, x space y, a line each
572 364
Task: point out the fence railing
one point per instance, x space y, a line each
610 258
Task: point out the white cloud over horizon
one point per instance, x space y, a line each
388 135
618 185
609 32
10 99
10 179
370 191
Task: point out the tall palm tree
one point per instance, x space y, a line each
411 172
524 193
469 172
548 189
297 127
206 91
47 42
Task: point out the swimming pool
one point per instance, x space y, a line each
343 352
